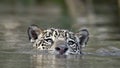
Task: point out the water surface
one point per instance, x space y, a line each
103 50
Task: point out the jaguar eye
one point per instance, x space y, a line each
71 42
49 40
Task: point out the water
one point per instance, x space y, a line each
103 50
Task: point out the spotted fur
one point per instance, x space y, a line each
59 40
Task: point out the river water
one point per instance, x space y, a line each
103 50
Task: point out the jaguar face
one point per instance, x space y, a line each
58 41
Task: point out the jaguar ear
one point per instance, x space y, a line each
83 35
33 32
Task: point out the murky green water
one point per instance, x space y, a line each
103 50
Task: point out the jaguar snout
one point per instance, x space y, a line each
61 49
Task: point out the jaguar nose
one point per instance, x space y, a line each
61 50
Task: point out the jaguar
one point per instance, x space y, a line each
58 41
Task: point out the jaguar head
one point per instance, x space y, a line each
58 41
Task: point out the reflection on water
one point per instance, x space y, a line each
51 61
16 60
103 50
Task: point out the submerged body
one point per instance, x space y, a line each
59 41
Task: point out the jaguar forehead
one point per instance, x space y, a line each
56 32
